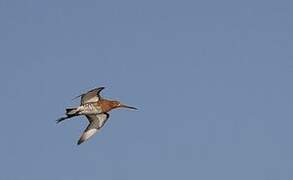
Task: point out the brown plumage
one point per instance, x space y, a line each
108 105
96 109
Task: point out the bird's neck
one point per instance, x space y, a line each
106 105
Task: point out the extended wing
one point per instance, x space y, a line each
96 122
91 96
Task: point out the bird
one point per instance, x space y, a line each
95 108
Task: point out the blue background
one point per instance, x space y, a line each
212 81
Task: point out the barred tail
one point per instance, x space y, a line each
71 111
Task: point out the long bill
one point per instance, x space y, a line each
129 107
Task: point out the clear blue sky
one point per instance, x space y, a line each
212 81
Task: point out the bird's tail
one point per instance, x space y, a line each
71 111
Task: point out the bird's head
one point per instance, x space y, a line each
118 104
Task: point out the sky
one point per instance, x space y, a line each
212 81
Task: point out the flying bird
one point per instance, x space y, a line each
95 108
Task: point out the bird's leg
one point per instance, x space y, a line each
64 118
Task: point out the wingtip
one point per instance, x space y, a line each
100 88
80 141
76 97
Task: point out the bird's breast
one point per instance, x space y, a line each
104 105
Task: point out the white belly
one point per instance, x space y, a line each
88 109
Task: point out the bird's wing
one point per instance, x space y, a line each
96 122
91 96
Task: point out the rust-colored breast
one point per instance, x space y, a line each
105 105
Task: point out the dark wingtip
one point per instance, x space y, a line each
79 142
76 97
101 88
